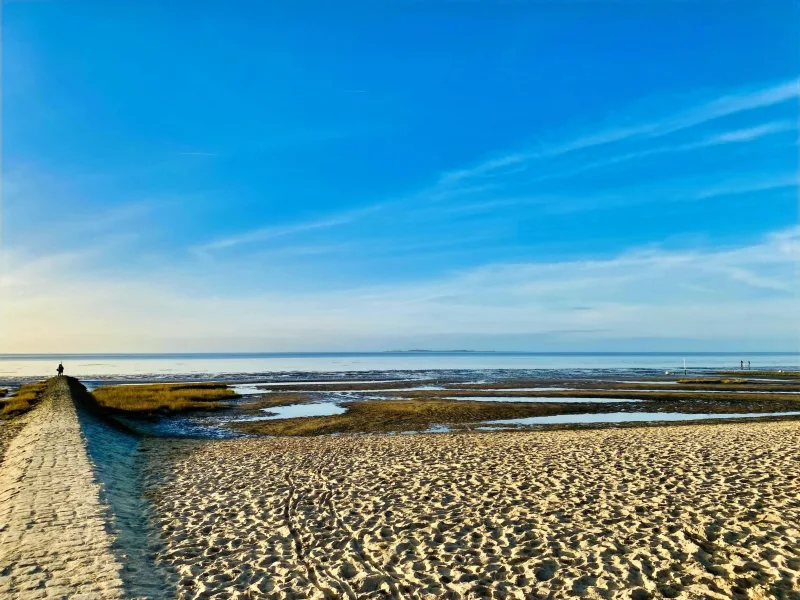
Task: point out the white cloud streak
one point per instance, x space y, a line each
743 293
263 234
720 107
751 133
454 185
688 191
267 233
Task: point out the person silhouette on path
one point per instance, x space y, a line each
60 369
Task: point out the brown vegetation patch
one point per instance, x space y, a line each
410 415
277 399
420 409
762 373
25 399
673 395
578 386
164 397
354 386
703 381
697 402
381 416
523 383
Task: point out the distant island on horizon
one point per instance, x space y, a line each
435 351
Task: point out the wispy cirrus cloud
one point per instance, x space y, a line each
263 234
720 107
733 136
512 180
681 191
745 292
749 186
748 134
271 232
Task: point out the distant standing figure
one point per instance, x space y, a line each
741 365
748 365
60 369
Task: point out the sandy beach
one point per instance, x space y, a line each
699 511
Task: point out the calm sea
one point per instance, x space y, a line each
247 366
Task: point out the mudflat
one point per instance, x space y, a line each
691 511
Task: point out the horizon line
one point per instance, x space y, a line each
265 354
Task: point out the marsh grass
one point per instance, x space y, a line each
522 383
683 400
775 374
578 386
714 381
276 399
164 397
677 395
418 414
356 385
376 416
25 399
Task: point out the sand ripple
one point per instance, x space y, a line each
709 511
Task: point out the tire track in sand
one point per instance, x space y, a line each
290 510
358 546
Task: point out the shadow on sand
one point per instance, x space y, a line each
115 454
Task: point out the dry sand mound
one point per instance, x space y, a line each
678 512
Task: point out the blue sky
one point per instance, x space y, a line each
516 175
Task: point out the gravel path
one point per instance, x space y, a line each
54 533
8 430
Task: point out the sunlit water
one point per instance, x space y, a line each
241 366
416 388
250 389
548 399
628 417
529 389
660 382
329 382
291 411
691 391
247 373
